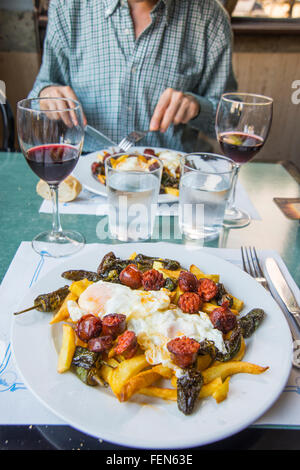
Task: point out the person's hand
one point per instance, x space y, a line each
52 105
173 107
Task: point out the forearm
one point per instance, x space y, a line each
205 120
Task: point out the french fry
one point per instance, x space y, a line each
67 349
106 371
225 369
159 392
172 191
133 255
166 272
222 391
101 178
124 371
208 308
79 342
78 287
200 274
143 380
237 304
63 312
176 294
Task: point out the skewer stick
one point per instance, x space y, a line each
28 309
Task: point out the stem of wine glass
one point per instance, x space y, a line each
231 199
56 225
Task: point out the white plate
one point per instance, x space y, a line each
148 422
83 173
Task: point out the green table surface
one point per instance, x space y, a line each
21 221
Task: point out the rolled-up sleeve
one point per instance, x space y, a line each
218 76
55 64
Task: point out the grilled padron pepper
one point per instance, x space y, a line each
79 274
87 364
232 345
188 389
250 322
48 302
146 262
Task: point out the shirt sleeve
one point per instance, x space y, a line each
55 64
218 76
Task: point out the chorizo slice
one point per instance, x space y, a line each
207 288
131 276
88 327
100 344
183 351
113 324
153 280
187 281
190 302
126 344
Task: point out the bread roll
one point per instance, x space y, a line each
68 189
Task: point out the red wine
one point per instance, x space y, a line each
52 162
239 146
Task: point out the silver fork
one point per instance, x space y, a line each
251 265
131 140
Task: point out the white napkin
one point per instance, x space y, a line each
93 204
19 406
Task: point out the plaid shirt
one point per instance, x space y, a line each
90 45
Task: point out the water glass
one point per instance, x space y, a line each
205 185
133 185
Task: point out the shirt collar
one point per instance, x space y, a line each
168 8
111 5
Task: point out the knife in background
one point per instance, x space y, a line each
283 289
98 136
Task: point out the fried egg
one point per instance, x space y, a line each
171 160
132 164
156 330
103 298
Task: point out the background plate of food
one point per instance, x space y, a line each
240 381
91 174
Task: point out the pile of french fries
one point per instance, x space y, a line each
127 377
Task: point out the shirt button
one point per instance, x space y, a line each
133 70
129 108
108 11
127 31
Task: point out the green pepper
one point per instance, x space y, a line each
250 322
78 275
48 302
188 389
170 284
232 345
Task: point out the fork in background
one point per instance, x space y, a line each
131 139
251 265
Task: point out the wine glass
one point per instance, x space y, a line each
243 123
51 134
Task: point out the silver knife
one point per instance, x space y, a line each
291 310
283 289
91 131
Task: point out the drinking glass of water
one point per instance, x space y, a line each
205 185
133 185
